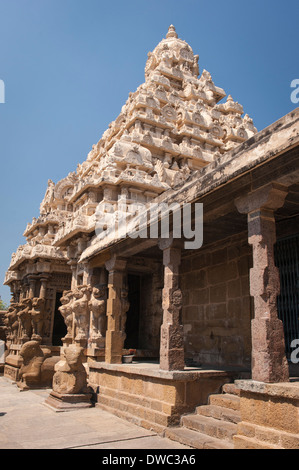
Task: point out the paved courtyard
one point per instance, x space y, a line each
26 423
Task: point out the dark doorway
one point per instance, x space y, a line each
132 323
59 327
287 260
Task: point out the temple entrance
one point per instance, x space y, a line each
59 327
133 314
287 260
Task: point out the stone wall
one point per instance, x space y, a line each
269 414
150 397
216 303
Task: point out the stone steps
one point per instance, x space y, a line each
225 400
195 439
231 389
212 426
220 413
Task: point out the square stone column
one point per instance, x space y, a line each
269 362
172 340
117 307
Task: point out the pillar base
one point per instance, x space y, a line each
269 363
68 402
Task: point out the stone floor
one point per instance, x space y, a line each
25 423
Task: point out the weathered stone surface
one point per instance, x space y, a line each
70 375
216 310
269 362
2 355
149 396
117 307
37 367
70 388
66 402
172 343
172 142
212 426
269 415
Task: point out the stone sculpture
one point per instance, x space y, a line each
37 316
24 315
37 369
12 322
70 388
67 313
81 312
97 305
70 376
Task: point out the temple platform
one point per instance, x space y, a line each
153 398
269 415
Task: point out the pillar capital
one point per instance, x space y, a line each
268 198
116 263
170 242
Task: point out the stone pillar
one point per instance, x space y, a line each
269 362
32 283
43 286
116 285
172 341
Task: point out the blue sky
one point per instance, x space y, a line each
69 65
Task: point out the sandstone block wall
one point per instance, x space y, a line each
270 416
217 306
152 398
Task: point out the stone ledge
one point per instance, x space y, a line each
67 402
153 370
284 389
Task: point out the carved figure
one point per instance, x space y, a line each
24 315
49 196
70 376
67 312
12 322
97 306
81 311
37 317
37 369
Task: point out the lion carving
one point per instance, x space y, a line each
70 376
37 369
